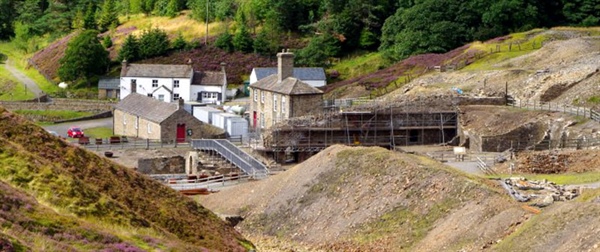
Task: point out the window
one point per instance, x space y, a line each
274 102
149 95
209 95
149 128
262 96
124 120
262 120
154 83
255 91
282 104
137 122
175 97
161 97
175 83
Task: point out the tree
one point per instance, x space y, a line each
582 12
318 50
108 16
224 41
173 8
242 41
153 42
130 49
89 20
179 42
84 58
7 16
263 45
107 41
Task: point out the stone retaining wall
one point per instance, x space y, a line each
60 104
161 165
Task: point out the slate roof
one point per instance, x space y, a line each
208 78
302 73
289 86
146 107
109 83
157 70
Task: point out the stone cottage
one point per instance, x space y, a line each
280 96
140 116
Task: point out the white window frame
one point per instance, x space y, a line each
149 127
262 120
255 91
262 96
274 102
154 83
175 83
124 119
137 122
175 96
283 104
161 97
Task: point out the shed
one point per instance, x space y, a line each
205 113
236 126
219 119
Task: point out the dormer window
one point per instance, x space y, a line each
154 83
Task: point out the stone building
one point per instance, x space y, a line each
281 96
140 116
108 88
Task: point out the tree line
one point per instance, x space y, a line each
329 28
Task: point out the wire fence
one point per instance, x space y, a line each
556 107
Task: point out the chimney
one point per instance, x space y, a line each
224 87
285 65
124 65
180 103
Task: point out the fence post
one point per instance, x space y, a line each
147 144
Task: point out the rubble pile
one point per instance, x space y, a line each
540 193
544 163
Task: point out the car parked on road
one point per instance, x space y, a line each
75 132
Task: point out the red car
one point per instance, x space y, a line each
75 132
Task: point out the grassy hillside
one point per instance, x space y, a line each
57 196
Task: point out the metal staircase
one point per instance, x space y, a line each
234 155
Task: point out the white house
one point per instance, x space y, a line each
170 82
314 76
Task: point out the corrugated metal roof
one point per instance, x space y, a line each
157 70
289 86
109 83
208 78
301 73
146 107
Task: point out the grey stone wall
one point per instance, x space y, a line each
198 128
161 165
306 104
60 104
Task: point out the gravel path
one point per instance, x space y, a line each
29 83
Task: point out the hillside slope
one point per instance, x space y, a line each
372 199
59 197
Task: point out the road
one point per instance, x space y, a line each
29 83
61 128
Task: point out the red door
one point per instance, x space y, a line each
181 132
254 120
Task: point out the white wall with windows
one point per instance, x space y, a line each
148 85
206 94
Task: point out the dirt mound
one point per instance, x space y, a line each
365 199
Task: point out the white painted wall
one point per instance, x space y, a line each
199 88
144 86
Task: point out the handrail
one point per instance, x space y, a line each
230 152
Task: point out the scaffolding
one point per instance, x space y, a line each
384 127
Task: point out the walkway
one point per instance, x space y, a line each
29 83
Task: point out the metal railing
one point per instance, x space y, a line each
106 144
233 154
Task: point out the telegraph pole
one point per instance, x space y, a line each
206 36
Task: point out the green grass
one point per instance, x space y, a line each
562 179
53 115
98 132
359 65
18 59
11 89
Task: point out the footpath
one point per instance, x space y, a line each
29 83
